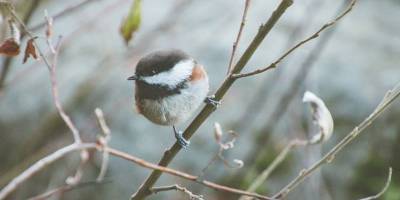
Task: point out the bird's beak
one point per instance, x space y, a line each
132 78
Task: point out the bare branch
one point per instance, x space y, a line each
63 189
180 174
39 165
390 96
301 43
223 146
388 180
64 12
52 70
178 188
235 44
103 140
169 155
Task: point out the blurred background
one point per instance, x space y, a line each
350 66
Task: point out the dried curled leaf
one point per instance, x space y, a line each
132 22
321 117
30 50
11 46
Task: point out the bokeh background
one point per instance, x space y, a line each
350 67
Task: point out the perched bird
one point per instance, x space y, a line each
170 86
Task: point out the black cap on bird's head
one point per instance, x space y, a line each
157 62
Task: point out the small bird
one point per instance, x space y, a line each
170 86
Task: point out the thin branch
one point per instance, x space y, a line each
301 43
7 62
64 12
293 90
387 184
169 155
63 189
390 96
44 162
39 165
180 174
56 98
177 188
223 146
235 44
275 163
52 70
103 140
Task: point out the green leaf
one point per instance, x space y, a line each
132 22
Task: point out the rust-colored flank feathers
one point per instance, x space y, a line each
198 73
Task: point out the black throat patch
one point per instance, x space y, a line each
158 91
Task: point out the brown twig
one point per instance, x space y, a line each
52 70
390 96
44 162
235 44
177 188
55 93
169 155
388 180
41 164
180 174
301 43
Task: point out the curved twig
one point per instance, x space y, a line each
388 180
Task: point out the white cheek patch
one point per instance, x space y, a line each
181 71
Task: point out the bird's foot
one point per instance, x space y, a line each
212 101
181 140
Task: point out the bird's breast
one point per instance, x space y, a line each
173 108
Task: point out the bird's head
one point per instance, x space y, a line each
166 67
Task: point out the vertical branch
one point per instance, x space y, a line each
56 98
103 140
169 155
235 44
